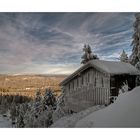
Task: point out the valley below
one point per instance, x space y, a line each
27 85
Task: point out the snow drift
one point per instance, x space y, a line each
125 112
70 120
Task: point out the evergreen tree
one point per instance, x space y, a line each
124 88
49 99
13 112
138 65
87 56
43 116
61 108
135 56
38 103
20 119
38 96
124 57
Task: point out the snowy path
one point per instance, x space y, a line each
4 122
70 121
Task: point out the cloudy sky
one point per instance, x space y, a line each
51 43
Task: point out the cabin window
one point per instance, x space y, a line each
113 82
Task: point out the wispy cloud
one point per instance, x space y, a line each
52 42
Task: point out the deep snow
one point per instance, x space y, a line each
125 112
70 121
5 122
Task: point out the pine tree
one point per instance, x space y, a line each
61 109
87 56
43 116
135 56
124 57
13 113
20 119
38 102
49 99
38 96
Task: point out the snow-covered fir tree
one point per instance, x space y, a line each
124 88
20 119
87 56
13 112
61 109
135 56
38 102
49 99
39 113
38 96
124 57
138 65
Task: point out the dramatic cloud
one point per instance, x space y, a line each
52 42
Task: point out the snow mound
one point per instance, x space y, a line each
125 112
70 121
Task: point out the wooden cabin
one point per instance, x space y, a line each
96 82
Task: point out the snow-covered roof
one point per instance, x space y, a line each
114 67
110 67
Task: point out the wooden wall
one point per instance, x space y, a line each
87 89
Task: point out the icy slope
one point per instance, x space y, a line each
125 112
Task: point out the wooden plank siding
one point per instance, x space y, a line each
92 96
89 88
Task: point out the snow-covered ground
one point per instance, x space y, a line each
125 112
70 121
5 122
